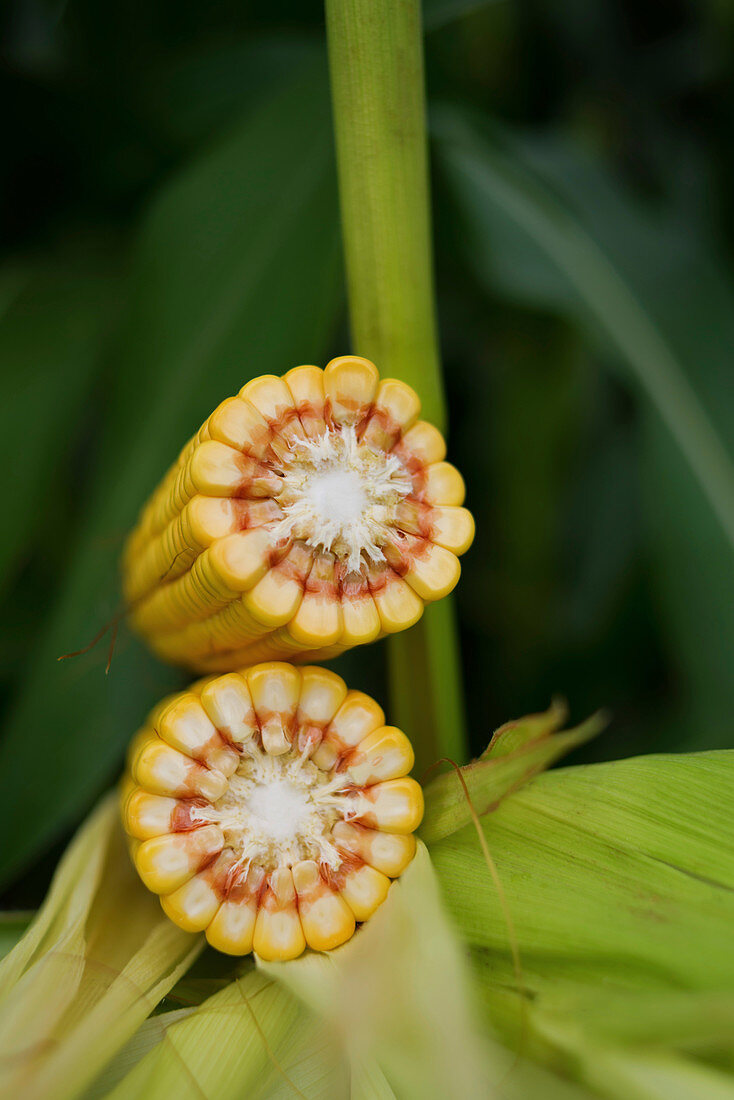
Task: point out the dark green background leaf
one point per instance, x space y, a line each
548 227
235 274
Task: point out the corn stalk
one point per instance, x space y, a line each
376 63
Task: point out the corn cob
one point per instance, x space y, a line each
310 513
270 808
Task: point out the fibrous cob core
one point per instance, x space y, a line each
279 810
270 809
310 513
341 495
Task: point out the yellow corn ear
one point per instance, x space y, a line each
251 548
270 809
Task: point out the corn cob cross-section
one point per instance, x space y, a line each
310 513
270 808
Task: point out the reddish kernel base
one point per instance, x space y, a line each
310 513
270 809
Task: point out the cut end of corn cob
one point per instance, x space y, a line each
310 513
270 808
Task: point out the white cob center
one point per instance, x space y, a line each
341 495
278 810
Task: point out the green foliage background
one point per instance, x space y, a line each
170 229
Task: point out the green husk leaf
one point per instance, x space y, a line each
13 925
518 751
151 1032
94 963
246 1040
619 880
396 995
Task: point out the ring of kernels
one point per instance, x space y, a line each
270 808
310 513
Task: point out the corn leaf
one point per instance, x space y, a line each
236 274
619 884
518 751
53 321
94 963
439 13
548 227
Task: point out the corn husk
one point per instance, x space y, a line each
250 1039
13 926
388 1015
617 882
518 751
93 964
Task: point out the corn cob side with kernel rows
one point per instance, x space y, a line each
310 513
270 808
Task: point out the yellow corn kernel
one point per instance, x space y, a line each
397 604
161 769
228 705
232 929
364 889
278 932
275 688
298 841
271 397
452 528
443 485
389 853
422 445
306 385
273 535
350 384
193 906
395 410
166 862
431 572
322 693
395 805
326 918
147 815
384 754
239 424
185 726
360 617
356 717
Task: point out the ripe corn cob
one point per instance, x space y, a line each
310 513
270 808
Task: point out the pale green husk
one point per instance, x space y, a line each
619 881
94 963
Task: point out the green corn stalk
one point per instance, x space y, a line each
376 64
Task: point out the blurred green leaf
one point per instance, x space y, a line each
517 752
51 332
549 228
437 13
236 274
619 882
189 96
